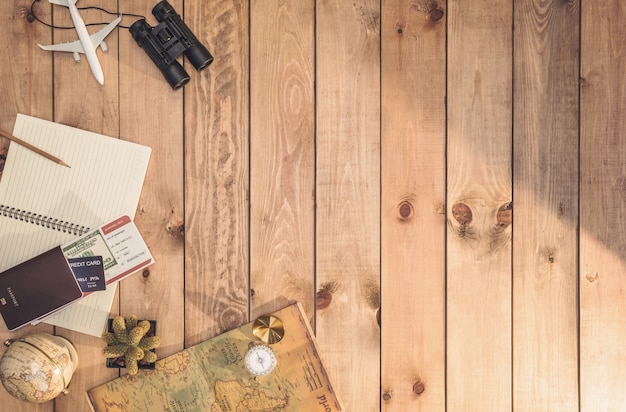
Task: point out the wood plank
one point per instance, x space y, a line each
602 208
479 186
282 151
28 91
216 173
79 100
91 107
545 345
413 223
348 197
151 113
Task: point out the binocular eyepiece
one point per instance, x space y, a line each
167 40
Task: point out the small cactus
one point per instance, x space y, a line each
129 340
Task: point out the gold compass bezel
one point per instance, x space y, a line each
268 329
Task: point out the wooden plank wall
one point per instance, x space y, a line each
602 246
365 158
348 195
413 63
478 248
545 198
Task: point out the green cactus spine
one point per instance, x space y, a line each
129 340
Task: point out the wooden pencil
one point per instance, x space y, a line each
33 148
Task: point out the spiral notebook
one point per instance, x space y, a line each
44 204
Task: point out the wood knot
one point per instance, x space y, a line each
145 273
387 396
431 9
419 388
175 224
436 14
324 296
229 318
23 11
323 299
504 216
405 210
462 213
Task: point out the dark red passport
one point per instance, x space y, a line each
37 287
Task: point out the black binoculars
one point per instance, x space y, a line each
166 41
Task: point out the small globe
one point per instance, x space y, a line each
38 367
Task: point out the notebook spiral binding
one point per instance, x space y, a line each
40 220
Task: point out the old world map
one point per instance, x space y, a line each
211 376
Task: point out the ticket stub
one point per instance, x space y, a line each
120 245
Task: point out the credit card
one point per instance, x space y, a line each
89 272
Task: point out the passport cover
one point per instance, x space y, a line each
37 287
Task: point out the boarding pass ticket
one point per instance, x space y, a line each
119 243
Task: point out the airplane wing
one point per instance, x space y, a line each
72 47
97 38
77 47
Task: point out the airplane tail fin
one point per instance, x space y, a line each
61 2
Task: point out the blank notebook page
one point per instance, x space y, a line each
104 181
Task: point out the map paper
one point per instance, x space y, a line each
211 377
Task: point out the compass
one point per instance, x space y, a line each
260 360
268 329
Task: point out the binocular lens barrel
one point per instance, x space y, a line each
166 41
163 10
197 54
174 73
140 30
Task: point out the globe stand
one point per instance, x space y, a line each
38 367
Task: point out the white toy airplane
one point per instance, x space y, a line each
85 44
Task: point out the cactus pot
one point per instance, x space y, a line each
119 362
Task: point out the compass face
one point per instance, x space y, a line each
260 360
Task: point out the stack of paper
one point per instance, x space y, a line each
44 205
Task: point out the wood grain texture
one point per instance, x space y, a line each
545 345
348 197
153 116
30 89
282 150
216 173
365 158
26 91
478 247
98 113
412 206
602 207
